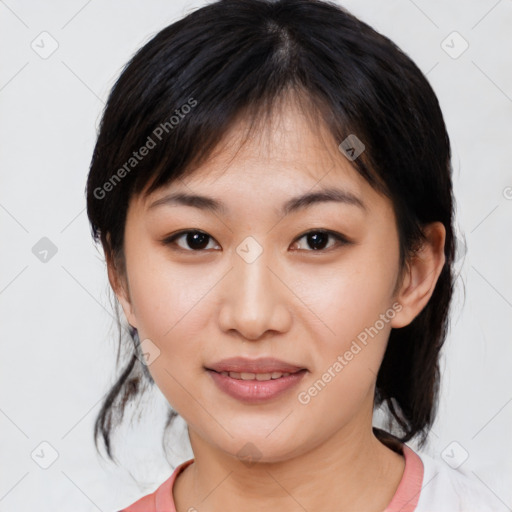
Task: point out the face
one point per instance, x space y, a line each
312 286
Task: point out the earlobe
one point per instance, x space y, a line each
421 275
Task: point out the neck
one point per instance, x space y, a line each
351 471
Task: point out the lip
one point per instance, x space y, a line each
261 365
256 391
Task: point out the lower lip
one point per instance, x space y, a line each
255 391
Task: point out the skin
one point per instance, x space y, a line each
297 304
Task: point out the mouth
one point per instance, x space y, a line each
255 381
256 376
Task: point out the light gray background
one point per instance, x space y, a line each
58 337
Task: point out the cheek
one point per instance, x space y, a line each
167 297
352 295
356 308
171 305
354 302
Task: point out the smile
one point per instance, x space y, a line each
254 388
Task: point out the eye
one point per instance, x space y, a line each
196 240
318 239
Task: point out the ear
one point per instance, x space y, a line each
421 275
119 283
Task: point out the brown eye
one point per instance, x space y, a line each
194 241
319 240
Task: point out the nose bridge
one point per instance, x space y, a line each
253 301
254 279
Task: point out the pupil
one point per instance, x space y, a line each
316 239
197 240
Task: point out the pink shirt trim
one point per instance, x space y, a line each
162 499
408 492
405 498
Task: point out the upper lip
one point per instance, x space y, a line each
262 365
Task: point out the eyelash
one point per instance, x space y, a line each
340 239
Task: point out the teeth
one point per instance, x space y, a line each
255 376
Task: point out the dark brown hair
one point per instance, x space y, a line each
236 59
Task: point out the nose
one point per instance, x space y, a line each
255 300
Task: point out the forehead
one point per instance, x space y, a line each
286 155
291 136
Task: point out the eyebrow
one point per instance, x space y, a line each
291 205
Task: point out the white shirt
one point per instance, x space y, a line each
444 489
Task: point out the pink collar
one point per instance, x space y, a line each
408 492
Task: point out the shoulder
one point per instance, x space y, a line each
447 489
160 500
